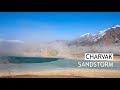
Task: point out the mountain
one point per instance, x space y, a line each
84 39
110 36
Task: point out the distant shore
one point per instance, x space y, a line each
116 58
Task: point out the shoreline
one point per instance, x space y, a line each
116 58
64 73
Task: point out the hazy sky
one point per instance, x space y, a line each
54 25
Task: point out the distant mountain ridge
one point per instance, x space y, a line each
110 36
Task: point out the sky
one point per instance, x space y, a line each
49 26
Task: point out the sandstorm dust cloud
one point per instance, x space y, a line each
52 49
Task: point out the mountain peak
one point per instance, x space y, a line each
116 26
87 34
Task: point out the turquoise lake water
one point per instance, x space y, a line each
40 63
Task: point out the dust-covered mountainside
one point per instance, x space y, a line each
107 41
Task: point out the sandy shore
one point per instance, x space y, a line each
66 73
116 58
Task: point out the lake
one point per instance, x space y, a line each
42 63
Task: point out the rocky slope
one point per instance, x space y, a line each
110 36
